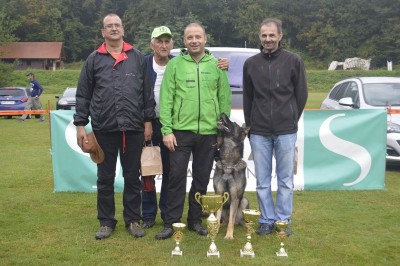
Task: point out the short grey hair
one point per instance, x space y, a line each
277 22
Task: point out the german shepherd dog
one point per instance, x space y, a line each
230 173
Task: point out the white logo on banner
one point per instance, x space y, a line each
70 138
345 148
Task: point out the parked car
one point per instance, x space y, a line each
13 99
67 100
371 93
236 57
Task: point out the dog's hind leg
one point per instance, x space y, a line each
219 217
244 204
232 217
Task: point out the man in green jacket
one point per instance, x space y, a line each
194 92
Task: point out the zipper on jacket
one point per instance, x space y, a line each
198 90
270 93
277 76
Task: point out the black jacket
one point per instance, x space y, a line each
151 74
116 94
274 92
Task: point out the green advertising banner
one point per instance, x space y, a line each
344 150
337 150
73 169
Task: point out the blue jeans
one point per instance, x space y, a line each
263 148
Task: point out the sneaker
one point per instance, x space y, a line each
135 230
148 223
20 120
167 232
41 120
198 228
265 229
103 232
287 231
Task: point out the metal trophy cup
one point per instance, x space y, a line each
281 226
251 217
212 203
178 235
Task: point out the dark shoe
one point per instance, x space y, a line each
287 231
165 233
20 120
148 223
103 232
135 230
198 228
265 229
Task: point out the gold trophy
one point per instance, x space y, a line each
212 203
281 226
251 217
178 235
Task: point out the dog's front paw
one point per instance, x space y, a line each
229 236
229 232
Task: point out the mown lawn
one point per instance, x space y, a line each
40 227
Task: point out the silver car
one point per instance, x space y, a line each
371 93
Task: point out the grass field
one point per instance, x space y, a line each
39 227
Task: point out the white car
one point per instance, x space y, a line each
236 57
371 93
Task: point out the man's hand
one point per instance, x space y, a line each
223 63
170 141
148 131
81 136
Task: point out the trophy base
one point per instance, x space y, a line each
176 253
247 254
281 253
213 254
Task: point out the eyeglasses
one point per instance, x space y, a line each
112 26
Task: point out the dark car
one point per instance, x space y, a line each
67 100
13 99
236 57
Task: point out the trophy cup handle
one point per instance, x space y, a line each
197 197
225 198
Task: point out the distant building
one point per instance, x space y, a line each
40 55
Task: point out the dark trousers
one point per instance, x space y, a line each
149 199
112 143
202 147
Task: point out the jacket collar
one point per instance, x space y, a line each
274 54
187 56
125 47
123 56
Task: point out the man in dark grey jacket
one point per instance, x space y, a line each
274 96
114 90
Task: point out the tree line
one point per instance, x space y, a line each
320 30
